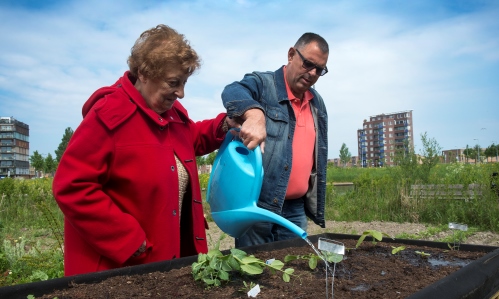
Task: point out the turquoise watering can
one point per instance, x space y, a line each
234 187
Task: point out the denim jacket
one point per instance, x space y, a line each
267 91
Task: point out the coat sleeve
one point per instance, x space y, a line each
207 135
243 95
78 190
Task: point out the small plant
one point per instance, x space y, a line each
213 268
376 235
314 258
396 250
422 254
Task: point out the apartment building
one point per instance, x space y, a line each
382 135
14 148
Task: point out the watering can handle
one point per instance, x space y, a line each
258 153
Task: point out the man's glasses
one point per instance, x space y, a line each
309 65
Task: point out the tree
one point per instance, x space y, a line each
469 153
37 161
200 160
430 155
345 154
210 159
50 164
68 133
492 151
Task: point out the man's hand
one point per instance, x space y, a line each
253 131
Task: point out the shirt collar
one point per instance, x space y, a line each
307 96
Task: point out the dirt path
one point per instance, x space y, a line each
356 228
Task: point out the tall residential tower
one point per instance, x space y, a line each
382 135
14 148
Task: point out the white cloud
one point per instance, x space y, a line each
438 61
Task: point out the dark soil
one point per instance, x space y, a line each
370 271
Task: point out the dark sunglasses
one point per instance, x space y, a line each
309 65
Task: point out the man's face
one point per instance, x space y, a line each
299 79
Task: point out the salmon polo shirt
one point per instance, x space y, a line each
303 144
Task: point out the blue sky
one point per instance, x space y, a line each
437 58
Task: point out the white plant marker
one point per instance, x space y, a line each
332 247
254 291
457 226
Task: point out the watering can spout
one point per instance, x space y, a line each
234 188
235 223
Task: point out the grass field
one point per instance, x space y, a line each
31 223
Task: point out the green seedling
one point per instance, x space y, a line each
423 254
314 258
376 235
214 267
396 250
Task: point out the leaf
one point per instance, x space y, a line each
376 234
397 249
202 257
361 239
250 259
289 271
252 269
238 253
334 258
223 275
233 263
214 252
226 266
289 258
312 263
276 264
285 277
209 281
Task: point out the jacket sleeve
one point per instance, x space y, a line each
208 134
243 95
78 190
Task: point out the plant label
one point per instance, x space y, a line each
254 291
459 226
331 246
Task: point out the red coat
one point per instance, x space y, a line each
117 182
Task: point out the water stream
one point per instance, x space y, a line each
328 267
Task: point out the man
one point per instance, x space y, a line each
280 111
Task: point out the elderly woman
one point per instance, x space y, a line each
127 182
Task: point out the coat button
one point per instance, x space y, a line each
160 119
161 128
275 200
286 167
173 168
174 213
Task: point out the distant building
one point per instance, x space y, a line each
382 135
14 148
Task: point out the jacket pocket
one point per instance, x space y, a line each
276 121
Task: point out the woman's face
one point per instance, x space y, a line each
160 94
